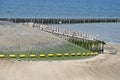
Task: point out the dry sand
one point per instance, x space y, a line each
102 67
19 37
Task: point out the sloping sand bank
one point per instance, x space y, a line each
101 67
19 38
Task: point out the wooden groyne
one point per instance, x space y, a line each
87 41
61 20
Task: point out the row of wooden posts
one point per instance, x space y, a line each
88 41
60 20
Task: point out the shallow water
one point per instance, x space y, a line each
60 8
110 32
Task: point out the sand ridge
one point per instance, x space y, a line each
101 67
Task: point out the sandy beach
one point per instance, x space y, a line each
102 67
59 40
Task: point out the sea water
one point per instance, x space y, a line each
60 8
